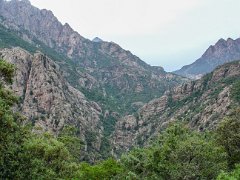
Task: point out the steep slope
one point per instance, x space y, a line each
49 102
103 71
201 103
222 52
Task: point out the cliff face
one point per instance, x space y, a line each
102 67
201 103
222 52
48 101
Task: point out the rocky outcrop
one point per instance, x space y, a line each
48 101
222 52
201 103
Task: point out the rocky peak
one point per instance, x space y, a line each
40 23
220 43
67 27
97 40
223 51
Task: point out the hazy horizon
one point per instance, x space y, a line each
170 33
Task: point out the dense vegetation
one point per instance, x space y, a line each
235 93
178 153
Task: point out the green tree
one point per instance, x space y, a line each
234 175
179 153
228 135
107 169
46 158
12 135
68 136
6 71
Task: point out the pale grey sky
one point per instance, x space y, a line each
168 33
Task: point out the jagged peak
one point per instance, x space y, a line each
221 41
47 12
68 27
230 39
97 39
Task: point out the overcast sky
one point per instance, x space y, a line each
168 33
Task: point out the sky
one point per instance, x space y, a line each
167 33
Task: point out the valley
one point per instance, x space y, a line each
72 108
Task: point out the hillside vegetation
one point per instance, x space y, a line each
178 153
201 104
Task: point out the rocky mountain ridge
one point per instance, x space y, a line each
222 52
201 103
98 69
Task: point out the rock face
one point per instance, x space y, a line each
48 101
222 52
201 103
102 67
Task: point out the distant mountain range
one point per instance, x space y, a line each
222 52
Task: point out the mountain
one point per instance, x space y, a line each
103 71
66 79
79 102
201 103
222 52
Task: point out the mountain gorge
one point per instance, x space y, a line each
72 80
74 108
222 52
